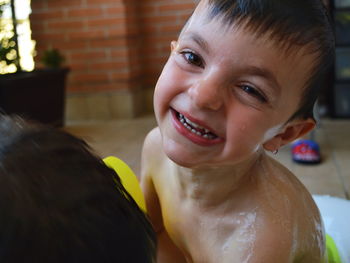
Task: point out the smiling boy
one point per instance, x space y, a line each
241 80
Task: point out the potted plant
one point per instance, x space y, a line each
38 94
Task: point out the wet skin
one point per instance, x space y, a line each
212 193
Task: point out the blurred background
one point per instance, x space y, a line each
90 66
114 49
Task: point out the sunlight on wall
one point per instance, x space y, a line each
25 43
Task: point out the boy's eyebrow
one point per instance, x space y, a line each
252 70
199 40
265 73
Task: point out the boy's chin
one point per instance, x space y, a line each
180 158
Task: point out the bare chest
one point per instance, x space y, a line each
206 235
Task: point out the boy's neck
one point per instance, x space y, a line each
212 185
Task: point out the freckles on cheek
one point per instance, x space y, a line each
252 134
244 135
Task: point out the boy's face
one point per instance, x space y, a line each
225 93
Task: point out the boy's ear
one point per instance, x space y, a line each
292 131
173 45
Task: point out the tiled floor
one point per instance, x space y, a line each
124 138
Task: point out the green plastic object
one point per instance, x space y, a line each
333 254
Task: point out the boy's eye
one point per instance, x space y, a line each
253 92
192 58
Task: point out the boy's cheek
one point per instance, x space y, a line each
167 70
171 76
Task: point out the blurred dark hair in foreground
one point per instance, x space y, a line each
60 203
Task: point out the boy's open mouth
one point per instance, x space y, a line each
195 128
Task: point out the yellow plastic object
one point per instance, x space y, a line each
333 254
128 179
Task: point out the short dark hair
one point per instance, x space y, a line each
60 203
289 23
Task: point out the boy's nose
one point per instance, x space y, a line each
207 94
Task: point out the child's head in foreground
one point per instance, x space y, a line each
60 203
242 76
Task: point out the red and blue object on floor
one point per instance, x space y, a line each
306 152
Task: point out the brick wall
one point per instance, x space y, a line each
92 35
162 20
109 45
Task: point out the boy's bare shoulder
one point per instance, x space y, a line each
278 219
152 147
278 177
282 188
153 157
153 139
291 216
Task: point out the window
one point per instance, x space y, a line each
25 43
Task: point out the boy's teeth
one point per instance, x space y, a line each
195 128
193 124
